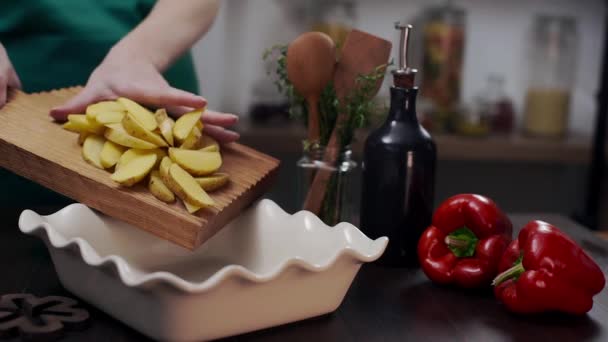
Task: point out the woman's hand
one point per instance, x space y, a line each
8 76
133 77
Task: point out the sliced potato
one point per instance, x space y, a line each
165 125
198 163
135 170
192 208
193 140
109 117
131 154
185 123
161 154
165 164
213 182
161 115
136 129
82 136
209 144
143 115
117 134
210 148
158 188
102 107
91 150
187 188
110 154
80 123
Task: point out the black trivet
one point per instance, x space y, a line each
39 319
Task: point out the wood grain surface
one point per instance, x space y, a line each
35 147
382 305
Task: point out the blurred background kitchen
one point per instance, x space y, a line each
509 91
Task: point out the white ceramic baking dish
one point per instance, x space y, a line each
263 269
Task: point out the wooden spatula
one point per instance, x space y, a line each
361 54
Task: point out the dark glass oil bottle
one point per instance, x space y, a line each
399 175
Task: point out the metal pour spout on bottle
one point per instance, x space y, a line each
405 76
399 170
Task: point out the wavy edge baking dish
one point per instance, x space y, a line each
265 268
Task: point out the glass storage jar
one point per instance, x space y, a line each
338 204
551 75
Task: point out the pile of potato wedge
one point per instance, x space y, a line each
135 144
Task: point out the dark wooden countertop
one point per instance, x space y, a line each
287 138
383 304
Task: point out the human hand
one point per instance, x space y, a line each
8 76
137 79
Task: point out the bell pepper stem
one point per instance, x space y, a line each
462 242
456 243
512 273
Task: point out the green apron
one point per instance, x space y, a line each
58 43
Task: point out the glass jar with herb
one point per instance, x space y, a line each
338 205
358 107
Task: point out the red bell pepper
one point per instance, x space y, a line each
544 270
465 242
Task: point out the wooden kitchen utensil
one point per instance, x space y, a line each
361 54
33 146
311 59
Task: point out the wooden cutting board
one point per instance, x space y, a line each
35 147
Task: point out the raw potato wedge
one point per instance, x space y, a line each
161 115
163 171
161 154
158 188
82 136
210 148
143 115
117 134
192 208
165 125
165 164
135 170
213 182
109 117
80 123
133 153
185 123
209 144
136 129
110 154
133 141
193 140
102 107
91 150
197 163
187 188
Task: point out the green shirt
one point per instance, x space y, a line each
58 43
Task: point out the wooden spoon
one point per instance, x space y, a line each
361 54
311 59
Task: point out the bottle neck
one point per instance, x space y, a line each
403 105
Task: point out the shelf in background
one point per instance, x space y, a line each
287 138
